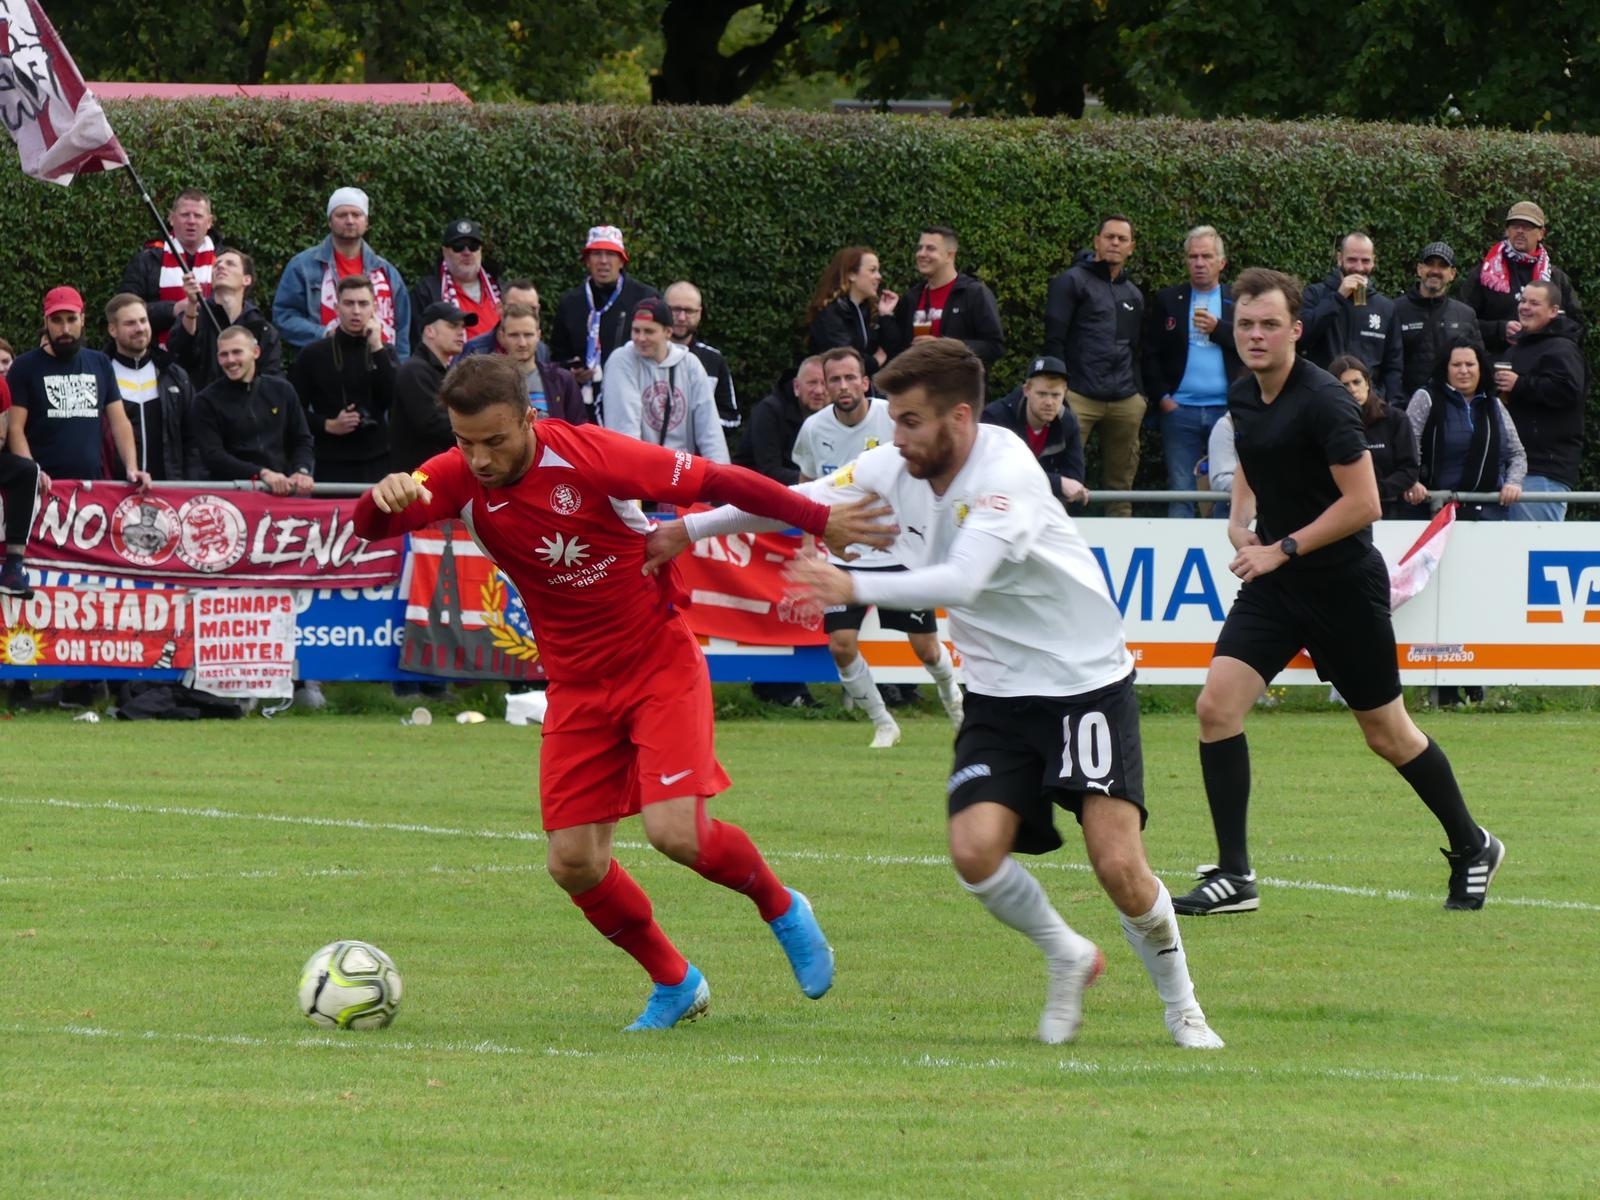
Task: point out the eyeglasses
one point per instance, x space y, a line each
679 311
460 247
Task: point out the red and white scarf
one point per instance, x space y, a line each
448 292
171 282
1494 274
382 300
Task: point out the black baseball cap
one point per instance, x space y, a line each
462 231
653 308
1047 364
443 310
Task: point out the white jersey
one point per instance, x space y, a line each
1043 623
826 443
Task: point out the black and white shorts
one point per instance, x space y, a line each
850 616
1032 753
1339 614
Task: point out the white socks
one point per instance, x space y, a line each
1014 897
943 671
1155 938
857 682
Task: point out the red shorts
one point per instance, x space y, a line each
613 745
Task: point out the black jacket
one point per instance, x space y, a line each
196 352
970 315
1063 446
1547 403
1166 340
568 332
845 324
1093 324
768 442
426 291
241 429
419 426
716 365
339 372
142 277
1333 325
1494 308
1426 327
179 459
1394 457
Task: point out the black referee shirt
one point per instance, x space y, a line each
1286 448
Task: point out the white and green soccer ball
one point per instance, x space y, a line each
350 985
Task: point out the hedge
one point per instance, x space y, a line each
750 204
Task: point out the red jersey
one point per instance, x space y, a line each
570 538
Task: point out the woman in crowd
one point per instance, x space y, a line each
1389 437
1467 440
848 309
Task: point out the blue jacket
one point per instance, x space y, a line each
297 304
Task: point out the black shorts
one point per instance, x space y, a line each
1031 753
850 616
1339 614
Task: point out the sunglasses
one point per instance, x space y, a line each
459 247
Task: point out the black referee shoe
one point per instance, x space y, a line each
1471 874
1219 892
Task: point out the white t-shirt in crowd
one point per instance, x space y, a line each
826 443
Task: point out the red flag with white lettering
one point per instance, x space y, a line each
58 125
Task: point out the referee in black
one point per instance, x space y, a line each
1311 578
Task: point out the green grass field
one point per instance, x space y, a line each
161 885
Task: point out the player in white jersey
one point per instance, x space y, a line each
1051 715
830 439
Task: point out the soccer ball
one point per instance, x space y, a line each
350 985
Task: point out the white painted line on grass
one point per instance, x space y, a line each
1184 1064
818 856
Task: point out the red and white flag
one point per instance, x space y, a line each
58 125
1410 575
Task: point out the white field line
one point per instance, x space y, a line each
1189 1065
1396 895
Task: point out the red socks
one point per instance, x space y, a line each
729 857
618 907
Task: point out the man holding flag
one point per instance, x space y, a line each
165 275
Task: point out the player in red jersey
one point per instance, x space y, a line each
629 726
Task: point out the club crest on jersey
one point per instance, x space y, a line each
565 499
844 476
961 513
420 475
871 443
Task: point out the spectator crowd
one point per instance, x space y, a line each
1478 388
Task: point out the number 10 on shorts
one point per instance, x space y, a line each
1092 740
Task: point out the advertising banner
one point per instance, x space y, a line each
206 539
464 620
737 592
104 628
243 643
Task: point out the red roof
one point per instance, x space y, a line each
356 93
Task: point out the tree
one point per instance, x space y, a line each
1475 62
1036 57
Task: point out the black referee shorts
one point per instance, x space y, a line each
1032 753
1340 614
842 616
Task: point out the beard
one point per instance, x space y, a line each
66 345
936 460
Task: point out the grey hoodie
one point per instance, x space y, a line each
636 392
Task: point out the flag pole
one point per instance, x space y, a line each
166 236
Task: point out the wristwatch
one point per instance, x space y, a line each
1290 548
